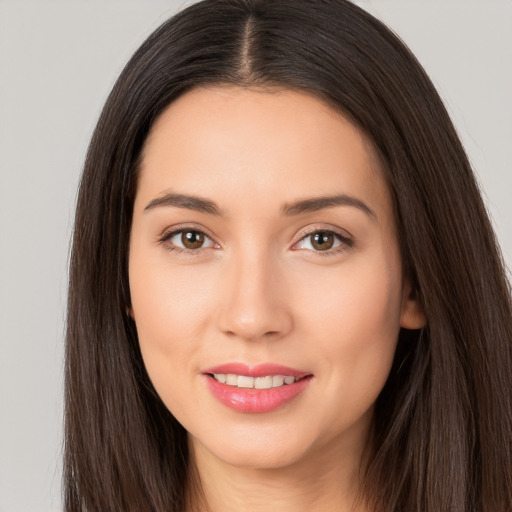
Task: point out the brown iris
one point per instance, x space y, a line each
322 241
192 239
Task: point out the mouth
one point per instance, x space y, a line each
256 389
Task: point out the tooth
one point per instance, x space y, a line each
277 381
231 379
245 382
263 382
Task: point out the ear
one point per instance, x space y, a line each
129 312
412 315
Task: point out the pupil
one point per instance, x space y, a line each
323 241
192 239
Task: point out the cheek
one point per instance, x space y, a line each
172 307
363 295
354 319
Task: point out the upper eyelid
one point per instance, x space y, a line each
342 233
170 231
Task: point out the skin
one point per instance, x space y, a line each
258 291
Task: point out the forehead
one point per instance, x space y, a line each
258 145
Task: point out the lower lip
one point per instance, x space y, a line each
256 400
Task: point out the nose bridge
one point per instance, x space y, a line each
254 305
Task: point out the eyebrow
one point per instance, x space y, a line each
185 201
314 204
320 203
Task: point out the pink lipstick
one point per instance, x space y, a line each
255 389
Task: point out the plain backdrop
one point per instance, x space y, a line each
58 61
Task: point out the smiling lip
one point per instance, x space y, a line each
250 400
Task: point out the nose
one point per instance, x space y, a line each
254 299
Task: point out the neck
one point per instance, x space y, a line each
328 480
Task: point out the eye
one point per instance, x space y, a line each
323 241
188 240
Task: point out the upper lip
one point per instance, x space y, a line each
257 370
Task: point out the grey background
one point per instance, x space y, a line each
58 61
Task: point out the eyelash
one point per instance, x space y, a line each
345 241
164 239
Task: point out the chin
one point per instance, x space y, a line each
254 448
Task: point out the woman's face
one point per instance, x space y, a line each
265 275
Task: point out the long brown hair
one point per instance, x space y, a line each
443 423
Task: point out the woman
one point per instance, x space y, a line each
285 290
